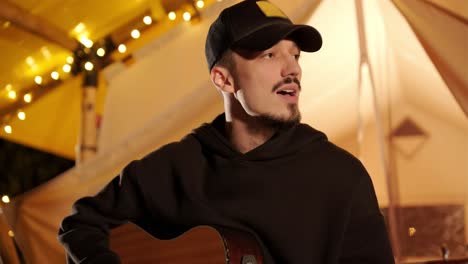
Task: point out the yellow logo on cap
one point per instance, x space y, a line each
270 10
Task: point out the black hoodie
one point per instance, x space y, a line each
303 198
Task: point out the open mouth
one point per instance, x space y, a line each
289 92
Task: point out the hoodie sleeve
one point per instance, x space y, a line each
85 233
365 240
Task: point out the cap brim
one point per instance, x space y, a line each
306 37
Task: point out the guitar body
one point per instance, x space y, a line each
202 244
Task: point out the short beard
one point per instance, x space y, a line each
278 123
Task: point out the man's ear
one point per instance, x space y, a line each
222 79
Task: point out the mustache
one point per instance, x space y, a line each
287 80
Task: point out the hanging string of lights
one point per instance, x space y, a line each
90 56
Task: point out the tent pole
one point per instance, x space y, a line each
88 133
392 186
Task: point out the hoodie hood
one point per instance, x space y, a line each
283 143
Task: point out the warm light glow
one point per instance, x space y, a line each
187 16
27 98
101 52
89 66
66 68
45 52
7 129
30 61
38 79
135 33
147 20
200 4
11 234
69 59
8 87
12 95
122 48
5 198
172 15
6 24
79 28
21 115
55 75
86 41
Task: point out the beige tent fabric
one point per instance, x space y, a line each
444 36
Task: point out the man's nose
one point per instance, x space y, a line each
291 67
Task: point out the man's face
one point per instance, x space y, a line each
266 83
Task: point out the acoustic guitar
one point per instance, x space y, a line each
202 244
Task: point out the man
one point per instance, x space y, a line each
255 168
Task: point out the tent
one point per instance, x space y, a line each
389 85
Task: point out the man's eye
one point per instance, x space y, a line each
268 55
297 56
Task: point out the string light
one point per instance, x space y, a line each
89 66
200 4
8 130
122 48
55 75
79 28
12 95
11 234
5 199
69 59
38 80
147 20
30 61
86 41
101 52
187 16
8 87
21 115
27 98
172 15
135 33
66 68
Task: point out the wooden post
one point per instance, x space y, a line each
88 136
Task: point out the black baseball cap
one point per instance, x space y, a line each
255 25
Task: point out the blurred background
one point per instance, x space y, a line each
88 86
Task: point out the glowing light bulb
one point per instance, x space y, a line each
5 199
187 16
66 68
200 4
8 130
8 87
101 52
172 15
89 66
70 59
12 95
21 115
122 48
135 33
147 20
11 234
86 42
38 80
55 75
27 98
